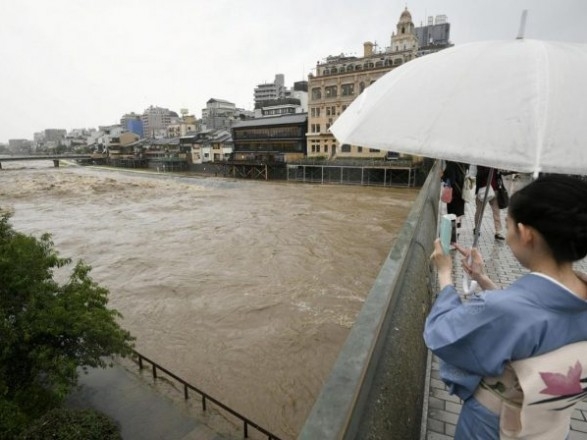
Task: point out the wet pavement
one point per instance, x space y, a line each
141 411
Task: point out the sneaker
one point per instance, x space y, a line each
499 237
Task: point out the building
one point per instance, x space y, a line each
300 92
277 107
20 146
208 146
218 114
270 91
183 125
275 99
54 134
339 79
155 122
434 36
271 139
132 123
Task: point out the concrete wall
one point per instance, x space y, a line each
376 388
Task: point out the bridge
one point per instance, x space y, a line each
54 157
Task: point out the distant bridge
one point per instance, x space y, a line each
54 157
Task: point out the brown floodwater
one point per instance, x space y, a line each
246 289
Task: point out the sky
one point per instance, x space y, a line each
83 63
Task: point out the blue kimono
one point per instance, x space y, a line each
478 338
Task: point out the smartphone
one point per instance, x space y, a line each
446 231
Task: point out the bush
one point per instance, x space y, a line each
69 424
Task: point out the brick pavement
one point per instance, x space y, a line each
441 410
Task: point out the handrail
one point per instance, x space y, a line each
205 396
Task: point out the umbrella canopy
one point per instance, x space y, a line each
519 105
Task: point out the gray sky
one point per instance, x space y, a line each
83 63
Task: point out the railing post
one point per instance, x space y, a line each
185 391
203 403
154 371
246 428
140 362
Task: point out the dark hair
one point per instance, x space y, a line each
556 206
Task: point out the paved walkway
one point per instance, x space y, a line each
142 411
441 409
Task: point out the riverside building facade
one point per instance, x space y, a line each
339 79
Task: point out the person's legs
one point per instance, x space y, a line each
496 217
476 422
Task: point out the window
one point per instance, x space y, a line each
360 149
330 92
361 87
345 148
373 150
313 112
327 111
326 148
333 111
318 112
317 93
347 90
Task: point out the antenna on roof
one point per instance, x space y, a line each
522 25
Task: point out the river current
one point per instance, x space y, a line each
246 289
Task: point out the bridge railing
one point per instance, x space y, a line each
205 397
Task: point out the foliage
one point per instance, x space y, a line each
48 330
69 424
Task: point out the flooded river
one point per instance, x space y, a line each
246 289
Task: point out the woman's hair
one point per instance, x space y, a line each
556 206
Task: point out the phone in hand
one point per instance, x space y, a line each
446 231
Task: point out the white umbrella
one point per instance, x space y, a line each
519 105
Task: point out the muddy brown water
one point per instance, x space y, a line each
246 289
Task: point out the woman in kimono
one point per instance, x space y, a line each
480 337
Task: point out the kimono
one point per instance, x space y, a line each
478 338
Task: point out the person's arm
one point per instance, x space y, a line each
443 264
474 266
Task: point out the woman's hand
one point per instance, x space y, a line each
474 266
443 263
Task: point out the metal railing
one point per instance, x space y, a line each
205 396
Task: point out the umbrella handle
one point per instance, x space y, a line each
469 286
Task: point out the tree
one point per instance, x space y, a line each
71 424
48 330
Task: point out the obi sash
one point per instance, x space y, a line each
535 397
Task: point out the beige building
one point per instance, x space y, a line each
340 79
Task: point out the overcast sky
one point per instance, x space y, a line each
79 64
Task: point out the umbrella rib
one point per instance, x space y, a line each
542 93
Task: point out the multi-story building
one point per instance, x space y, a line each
340 79
20 145
55 134
181 126
434 36
155 122
133 123
272 139
208 146
218 114
270 91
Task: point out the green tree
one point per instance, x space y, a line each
48 330
71 424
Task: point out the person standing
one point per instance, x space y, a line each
481 182
454 174
483 341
